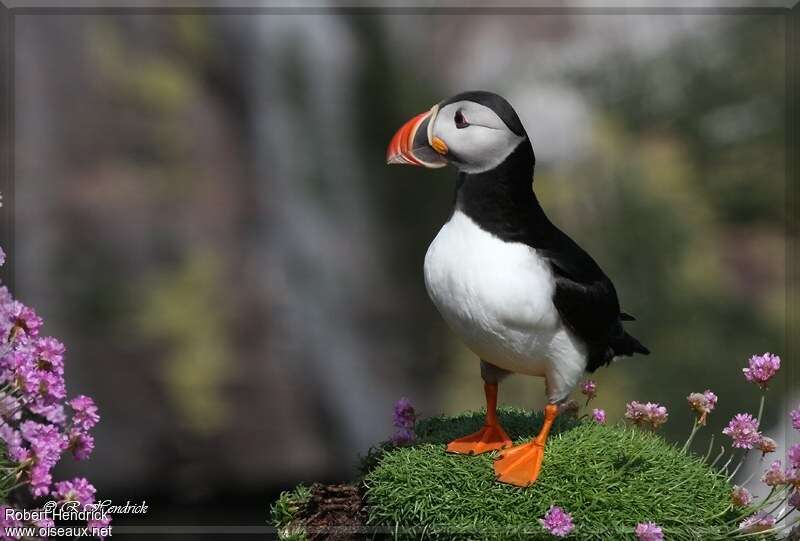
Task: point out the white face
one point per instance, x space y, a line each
477 139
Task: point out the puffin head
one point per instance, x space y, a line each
474 131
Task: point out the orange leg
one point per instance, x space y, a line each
520 465
489 438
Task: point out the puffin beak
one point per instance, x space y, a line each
411 144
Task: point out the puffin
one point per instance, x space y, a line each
520 293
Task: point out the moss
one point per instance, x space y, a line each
609 478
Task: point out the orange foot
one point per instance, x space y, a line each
520 465
488 438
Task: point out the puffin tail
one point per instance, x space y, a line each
628 345
622 345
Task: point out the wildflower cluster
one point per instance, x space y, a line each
759 522
38 424
648 531
702 403
557 521
649 414
743 430
762 368
740 496
589 389
599 416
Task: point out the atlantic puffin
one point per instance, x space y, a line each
515 288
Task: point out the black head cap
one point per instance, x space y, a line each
496 103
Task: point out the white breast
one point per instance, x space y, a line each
497 296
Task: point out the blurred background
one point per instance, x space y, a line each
204 215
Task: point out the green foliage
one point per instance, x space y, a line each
285 510
609 478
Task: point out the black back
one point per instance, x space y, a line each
502 202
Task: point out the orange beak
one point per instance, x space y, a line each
410 145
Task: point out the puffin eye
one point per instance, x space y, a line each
460 121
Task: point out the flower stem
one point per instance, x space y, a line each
728 463
721 452
739 465
781 501
761 407
695 428
710 447
749 478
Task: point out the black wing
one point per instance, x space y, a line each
587 303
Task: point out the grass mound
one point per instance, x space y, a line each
609 478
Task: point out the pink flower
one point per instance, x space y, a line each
39 479
49 354
767 445
37 379
743 429
13 441
703 403
34 431
557 522
54 413
46 441
81 444
794 455
79 490
589 388
86 415
774 476
46 445
762 368
648 531
43 521
402 436
757 523
24 321
795 419
651 413
98 524
7 522
793 477
794 499
740 496
404 418
599 416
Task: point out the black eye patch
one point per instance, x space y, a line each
460 121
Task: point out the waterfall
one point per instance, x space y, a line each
312 237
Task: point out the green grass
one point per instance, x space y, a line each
286 509
609 478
